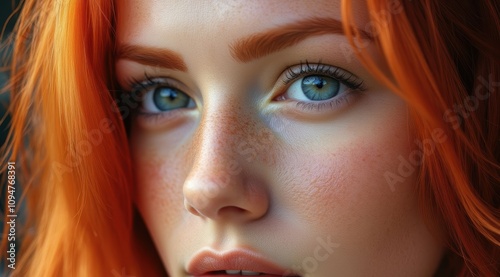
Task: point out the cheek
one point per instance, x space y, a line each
345 178
159 195
156 190
340 190
340 187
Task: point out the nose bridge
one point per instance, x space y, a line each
219 184
217 136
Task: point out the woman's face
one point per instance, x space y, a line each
262 144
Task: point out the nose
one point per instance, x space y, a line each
222 184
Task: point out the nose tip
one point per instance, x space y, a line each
199 199
221 183
232 200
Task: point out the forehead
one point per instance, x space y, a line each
151 22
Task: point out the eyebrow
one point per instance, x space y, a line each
262 44
245 49
151 56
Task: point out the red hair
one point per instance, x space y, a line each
73 147
442 56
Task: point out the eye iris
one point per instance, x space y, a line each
166 99
319 88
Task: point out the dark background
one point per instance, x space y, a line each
6 9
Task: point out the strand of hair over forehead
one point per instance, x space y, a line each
459 182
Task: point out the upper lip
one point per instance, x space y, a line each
207 260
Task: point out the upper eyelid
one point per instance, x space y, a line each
304 68
150 82
288 75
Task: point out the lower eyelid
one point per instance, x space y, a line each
161 120
333 105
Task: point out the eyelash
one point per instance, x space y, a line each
353 83
139 88
148 83
349 79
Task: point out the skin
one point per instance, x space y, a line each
247 168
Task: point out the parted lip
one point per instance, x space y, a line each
207 261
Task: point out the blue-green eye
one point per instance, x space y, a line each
318 88
318 84
162 99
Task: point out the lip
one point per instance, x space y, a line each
208 261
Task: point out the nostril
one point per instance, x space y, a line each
232 210
235 198
190 208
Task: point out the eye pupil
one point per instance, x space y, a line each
170 93
315 80
316 87
166 99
